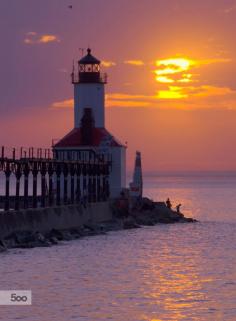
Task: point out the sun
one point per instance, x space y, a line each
175 72
173 69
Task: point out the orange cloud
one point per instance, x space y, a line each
134 62
34 38
48 38
189 97
164 79
107 64
179 73
112 100
122 96
229 9
173 70
175 92
207 91
67 103
127 103
178 70
213 61
127 100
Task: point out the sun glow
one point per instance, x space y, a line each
164 80
174 71
173 92
173 65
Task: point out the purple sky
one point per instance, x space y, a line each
39 40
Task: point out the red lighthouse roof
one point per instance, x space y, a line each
100 137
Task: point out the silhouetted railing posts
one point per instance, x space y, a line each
103 188
94 173
7 187
25 152
90 187
35 174
107 182
78 190
84 173
107 188
65 173
43 184
2 152
50 183
18 176
26 185
62 182
98 183
31 152
14 153
58 172
72 184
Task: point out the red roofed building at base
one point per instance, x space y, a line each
89 131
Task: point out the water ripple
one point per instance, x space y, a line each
174 273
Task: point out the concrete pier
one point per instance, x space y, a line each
60 218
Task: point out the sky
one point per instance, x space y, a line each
171 68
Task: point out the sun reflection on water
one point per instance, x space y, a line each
174 272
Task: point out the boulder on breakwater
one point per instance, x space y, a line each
2 246
147 213
28 239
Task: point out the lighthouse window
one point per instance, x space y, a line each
88 68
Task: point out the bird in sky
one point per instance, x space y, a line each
70 6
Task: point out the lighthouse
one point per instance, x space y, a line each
89 132
89 90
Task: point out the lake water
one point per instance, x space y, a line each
167 272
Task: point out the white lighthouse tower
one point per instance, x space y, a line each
89 132
89 90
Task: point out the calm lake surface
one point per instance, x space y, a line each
167 272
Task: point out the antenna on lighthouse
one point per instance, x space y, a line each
73 71
81 51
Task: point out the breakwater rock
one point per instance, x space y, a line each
147 213
29 239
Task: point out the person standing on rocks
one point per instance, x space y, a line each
178 208
168 203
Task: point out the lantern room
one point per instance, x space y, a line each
88 70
